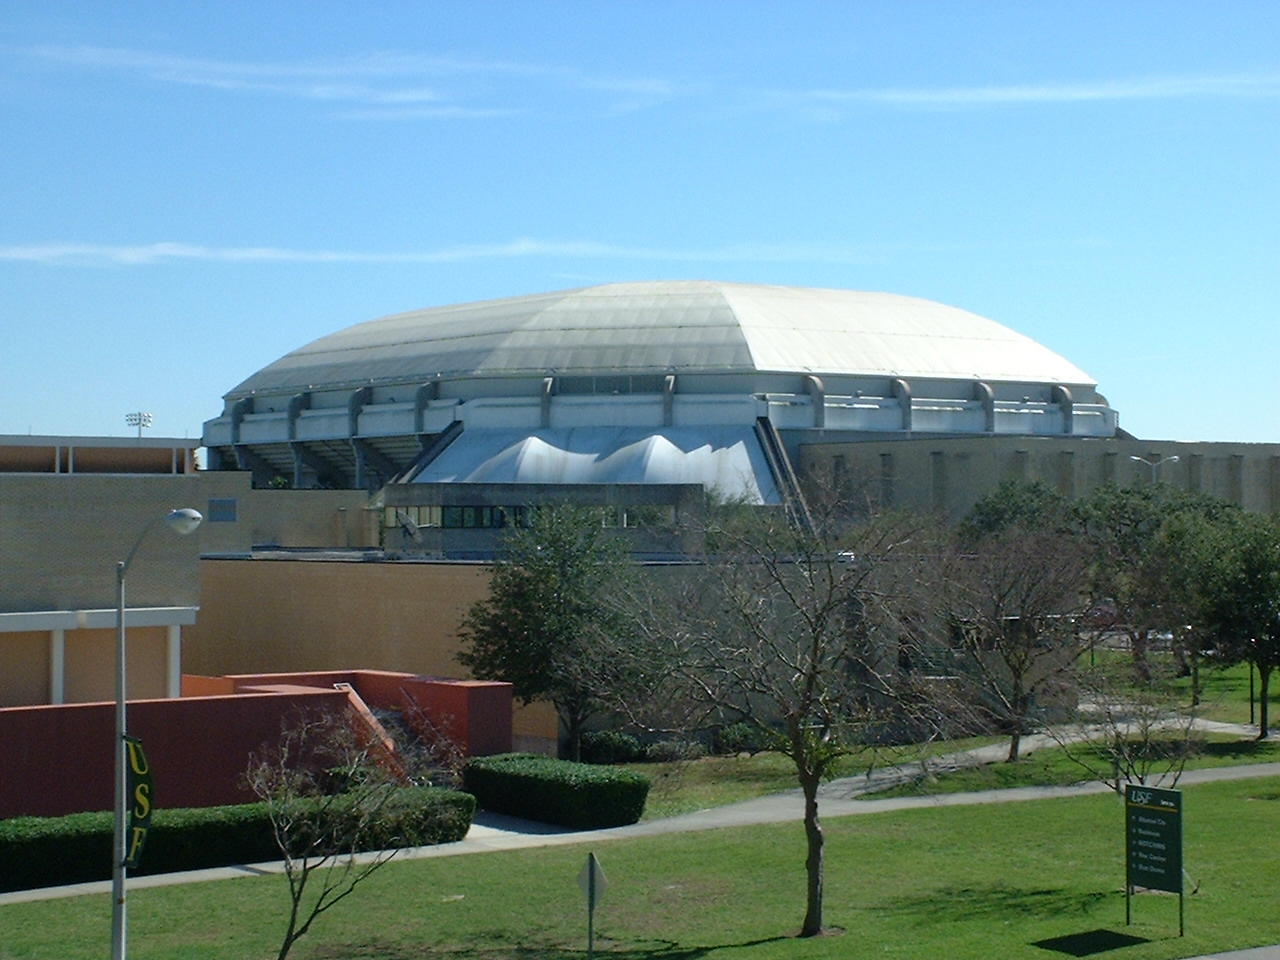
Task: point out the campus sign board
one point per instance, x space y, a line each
1153 831
1153 842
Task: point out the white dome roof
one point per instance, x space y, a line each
669 327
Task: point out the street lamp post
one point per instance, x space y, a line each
1155 465
181 521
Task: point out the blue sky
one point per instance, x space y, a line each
190 190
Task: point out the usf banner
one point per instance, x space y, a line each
138 794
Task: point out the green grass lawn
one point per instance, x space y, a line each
1225 695
981 882
1054 767
688 786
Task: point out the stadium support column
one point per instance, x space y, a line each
902 390
818 397
1062 397
544 413
983 393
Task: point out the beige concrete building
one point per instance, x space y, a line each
70 509
272 581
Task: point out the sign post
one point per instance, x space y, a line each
591 880
1153 843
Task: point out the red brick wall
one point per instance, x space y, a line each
58 759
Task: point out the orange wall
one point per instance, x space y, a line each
24 668
269 615
91 664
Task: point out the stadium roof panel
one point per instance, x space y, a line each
669 326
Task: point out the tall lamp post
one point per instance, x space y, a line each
1155 465
181 521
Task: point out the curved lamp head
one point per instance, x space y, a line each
183 521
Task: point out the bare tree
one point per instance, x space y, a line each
331 794
1131 730
1013 600
796 630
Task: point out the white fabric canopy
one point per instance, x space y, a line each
727 459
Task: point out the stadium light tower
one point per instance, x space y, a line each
138 420
1155 465
181 521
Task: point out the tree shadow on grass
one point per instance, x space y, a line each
636 950
949 904
1238 750
1088 943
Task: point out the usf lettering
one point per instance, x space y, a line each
138 785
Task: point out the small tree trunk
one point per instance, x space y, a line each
1141 666
1195 675
573 724
1264 682
1021 703
813 862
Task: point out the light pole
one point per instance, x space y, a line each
138 420
1155 465
181 521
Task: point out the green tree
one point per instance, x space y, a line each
551 618
1131 571
1025 504
1234 581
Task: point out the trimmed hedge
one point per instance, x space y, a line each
52 851
574 795
611 746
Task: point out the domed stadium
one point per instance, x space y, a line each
687 382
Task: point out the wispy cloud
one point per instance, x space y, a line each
82 254
378 85
1154 88
107 255
390 85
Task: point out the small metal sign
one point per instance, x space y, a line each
1153 842
591 880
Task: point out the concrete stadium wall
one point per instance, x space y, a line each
947 476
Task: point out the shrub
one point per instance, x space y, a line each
742 738
668 751
49 851
611 746
574 795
